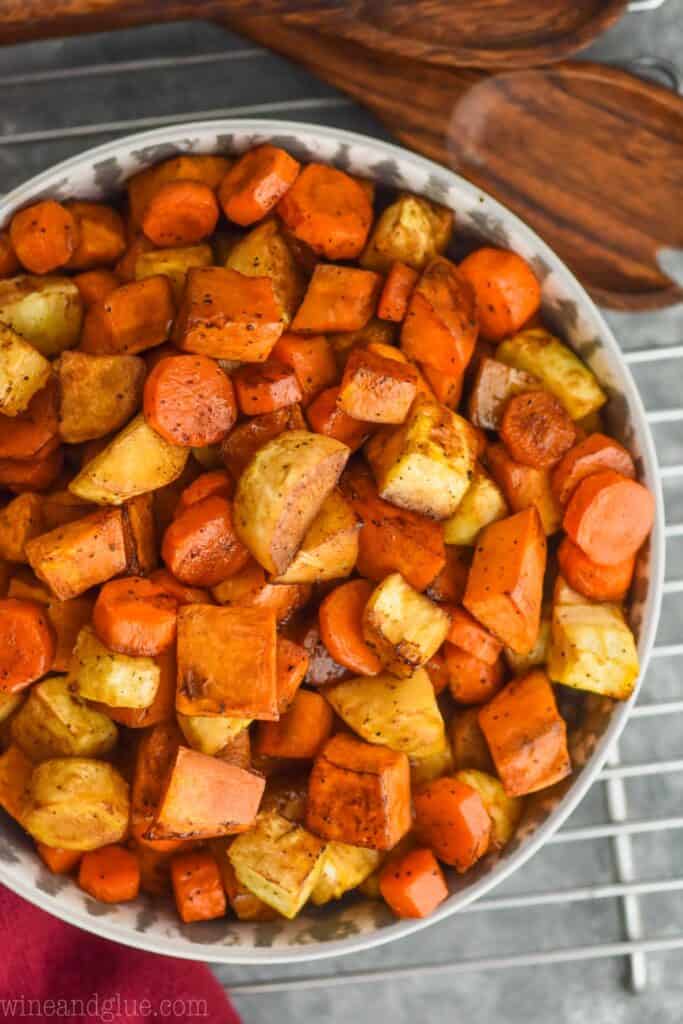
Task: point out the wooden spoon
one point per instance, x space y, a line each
478 33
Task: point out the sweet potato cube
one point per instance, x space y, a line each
403 627
505 584
526 735
75 557
425 464
205 797
20 521
337 299
451 818
279 861
524 486
136 316
227 662
301 731
327 417
359 793
440 327
228 315
246 438
376 389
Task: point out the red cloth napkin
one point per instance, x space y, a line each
51 971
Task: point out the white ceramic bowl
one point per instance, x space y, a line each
353 925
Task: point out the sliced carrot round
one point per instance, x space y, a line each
593 453
340 618
471 680
95 285
596 582
217 482
110 874
508 293
190 401
256 182
27 643
180 213
201 547
536 429
265 387
135 616
180 592
43 236
609 516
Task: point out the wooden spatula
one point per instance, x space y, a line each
590 156
478 33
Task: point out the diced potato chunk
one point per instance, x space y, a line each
344 868
174 264
46 311
402 626
412 230
592 648
263 252
426 464
330 546
432 766
505 811
77 803
16 770
279 861
97 394
482 504
399 714
137 460
53 723
23 371
561 372
96 673
209 733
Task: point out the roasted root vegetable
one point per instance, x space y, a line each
329 549
256 182
60 862
596 582
265 387
247 437
135 317
201 547
72 558
375 389
359 793
44 236
279 861
494 384
265 252
27 643
483 503
301 731
23 371
97 394
595 453
173 264
440 326
471 679
508 293
197 886
536 429
180 213
208 169
592 648
344 867
425 464
327 417
337 299
413 230
189 401
96 673
341 627
312 360
526 735
451 818
398 287
468 743
403 627
20 521
609 516
328 210
135 616
524 487
110 874
413 885
45 311
249 588
16 770
53 723
504 811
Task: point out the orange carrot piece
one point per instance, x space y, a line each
493 384
526 735
38 473
189 401
249 588
413 885
327 417
136 617
451 818
471 679
536 429
155 754
134 317
447 387
204 797
301 731
359 793
180 592
27 643
337 299
471 636
110 874
392 539
9 264
398 287
328 210
440 327
208 485
205 168
256 182
265 387
594 453
245 439
437 670
375 389
200 547
505 584
101 235
96 285
228 315
507 290
197 887
67 618
594 581
524 486
25 435
291 667
180 213
609 516
450 582
125 268
43 236
60 862
312 360
340 617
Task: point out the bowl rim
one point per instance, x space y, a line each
215 953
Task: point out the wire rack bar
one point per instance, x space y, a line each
664 415
638 771
669 707
583 833
574 895
651 355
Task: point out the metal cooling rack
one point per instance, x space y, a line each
128 81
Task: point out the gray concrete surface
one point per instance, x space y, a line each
54 99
